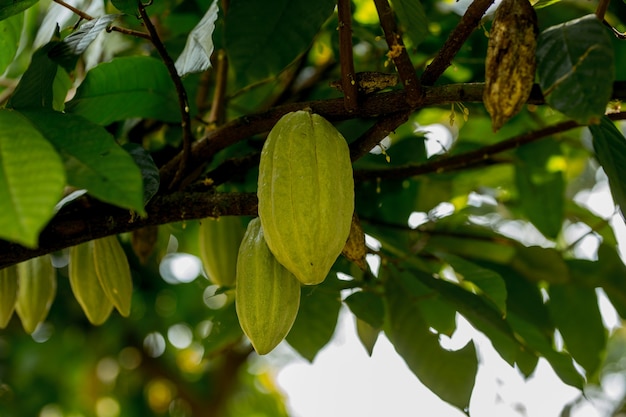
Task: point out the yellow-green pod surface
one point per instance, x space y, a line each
86 285
219 243
37 284
306 194
114 272
8 294
267 296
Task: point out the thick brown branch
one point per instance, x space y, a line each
457 38
376 133
348 76
398 53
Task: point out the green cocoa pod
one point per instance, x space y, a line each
306 194
8 294
37 284
267 295
219 243
86 285
113 272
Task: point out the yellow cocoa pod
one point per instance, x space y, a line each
267 295
306 194
113 272
511 63
37 284
86 285
219 243
8 294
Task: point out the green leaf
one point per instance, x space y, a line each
413 20
124 88
367 334
368 307
9 8
539 264
610 147
149 170
449 374
541 187
574 310
489 283
262 39
316 320
129 7
196 57
92 158
610 273
11 30
35 87
31 179
576 68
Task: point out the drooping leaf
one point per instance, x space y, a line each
11 29
262 39
31 179
576 314
449 374
9 8
610 272
196 56
316 320
35 87
576 68
489 282
92 159
368 307
124 88
413 20
149 170
66 53
541 187
610 147
538 264
367 334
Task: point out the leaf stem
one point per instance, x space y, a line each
603 6
183 102
348 76
456 39
397 52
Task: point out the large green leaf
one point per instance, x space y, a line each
574 310
10 30
576 68
541 187
92 158
413 20
316 320
538 264
368 307
449 374
263 38
31 179
35 87
9 8
124 88
610 147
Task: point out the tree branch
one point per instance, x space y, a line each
603 6
457 38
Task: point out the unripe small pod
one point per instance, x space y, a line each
37 286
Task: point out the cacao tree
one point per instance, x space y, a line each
132 142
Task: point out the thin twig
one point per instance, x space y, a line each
348 77
603 6
376 133
456 39
183 103
217 115
397 52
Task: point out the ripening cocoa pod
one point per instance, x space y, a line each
355 249
306 194
219 244
510 64
267 295
37 284
114 272
8 294
86 285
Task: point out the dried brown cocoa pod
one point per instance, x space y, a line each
355 249
510 64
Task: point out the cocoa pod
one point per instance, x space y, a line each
219 244
355 249
510 64
113 272
86 285
143 242
306 194
267 295
37 284
8 294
